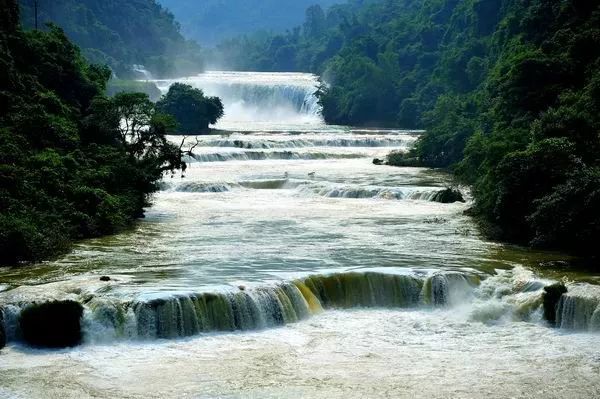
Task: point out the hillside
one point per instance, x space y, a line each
68 168
211 21
120 33
508 91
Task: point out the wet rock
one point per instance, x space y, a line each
52 324
378 161
105 278
401 159
448 196
552 295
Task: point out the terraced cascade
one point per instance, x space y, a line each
284 263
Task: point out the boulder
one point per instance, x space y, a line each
552 295
54 324
448 196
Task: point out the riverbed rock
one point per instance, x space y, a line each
54 324
552 295
448 196
378 161
105 278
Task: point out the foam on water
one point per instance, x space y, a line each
284 263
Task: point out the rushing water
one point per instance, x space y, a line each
285 264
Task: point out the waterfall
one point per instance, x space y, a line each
579 308
307 188
141 72
256 97
106 319
509 294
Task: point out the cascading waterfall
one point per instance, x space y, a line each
579 308
253 97
310 188
258 143
257 155
179 315
514 294
269 306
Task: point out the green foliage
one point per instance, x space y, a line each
191 109
116 86
120 33
508 91
52 324
68 169
211 21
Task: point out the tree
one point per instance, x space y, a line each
193 111
69 168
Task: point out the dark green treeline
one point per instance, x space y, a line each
508 91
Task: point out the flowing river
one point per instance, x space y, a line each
285 264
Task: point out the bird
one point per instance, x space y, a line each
286 174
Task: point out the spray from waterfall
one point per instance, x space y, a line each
259 97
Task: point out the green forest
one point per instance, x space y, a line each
507 90
211 21
69 168
120 34
508 93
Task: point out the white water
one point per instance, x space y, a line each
286 264
260 101
141 72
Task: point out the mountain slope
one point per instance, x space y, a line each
120 33
211 21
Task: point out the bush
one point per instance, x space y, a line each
191 109
116 86
52 324
401 159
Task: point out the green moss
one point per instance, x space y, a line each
52 324
401 159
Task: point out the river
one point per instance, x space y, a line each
285 264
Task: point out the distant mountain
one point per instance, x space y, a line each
119 33
211 21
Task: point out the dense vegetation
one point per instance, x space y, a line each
211 21
68 167
192 110
120 33
508 90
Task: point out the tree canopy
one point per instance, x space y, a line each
211 21
192 111
120 33
68 168
508 91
